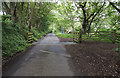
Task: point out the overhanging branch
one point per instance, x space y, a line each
114 6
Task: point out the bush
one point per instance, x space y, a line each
15 38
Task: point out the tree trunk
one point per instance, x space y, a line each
29 16
80 36
13 8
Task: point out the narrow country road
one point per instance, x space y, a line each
47 58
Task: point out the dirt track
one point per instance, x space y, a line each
94 58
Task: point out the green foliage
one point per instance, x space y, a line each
64 35
46 16
14 39
16 23
5 17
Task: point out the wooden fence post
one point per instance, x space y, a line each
113 36
80 36
119 47
73 36
77 36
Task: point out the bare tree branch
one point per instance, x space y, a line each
111 3
95 16
7 9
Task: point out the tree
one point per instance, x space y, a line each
31 14
89 12
11 10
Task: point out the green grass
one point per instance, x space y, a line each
96 38
64 35
84 37
93 38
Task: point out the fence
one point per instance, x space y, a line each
111 36
29 37
108 35
75 36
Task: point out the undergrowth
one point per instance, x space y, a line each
14 38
